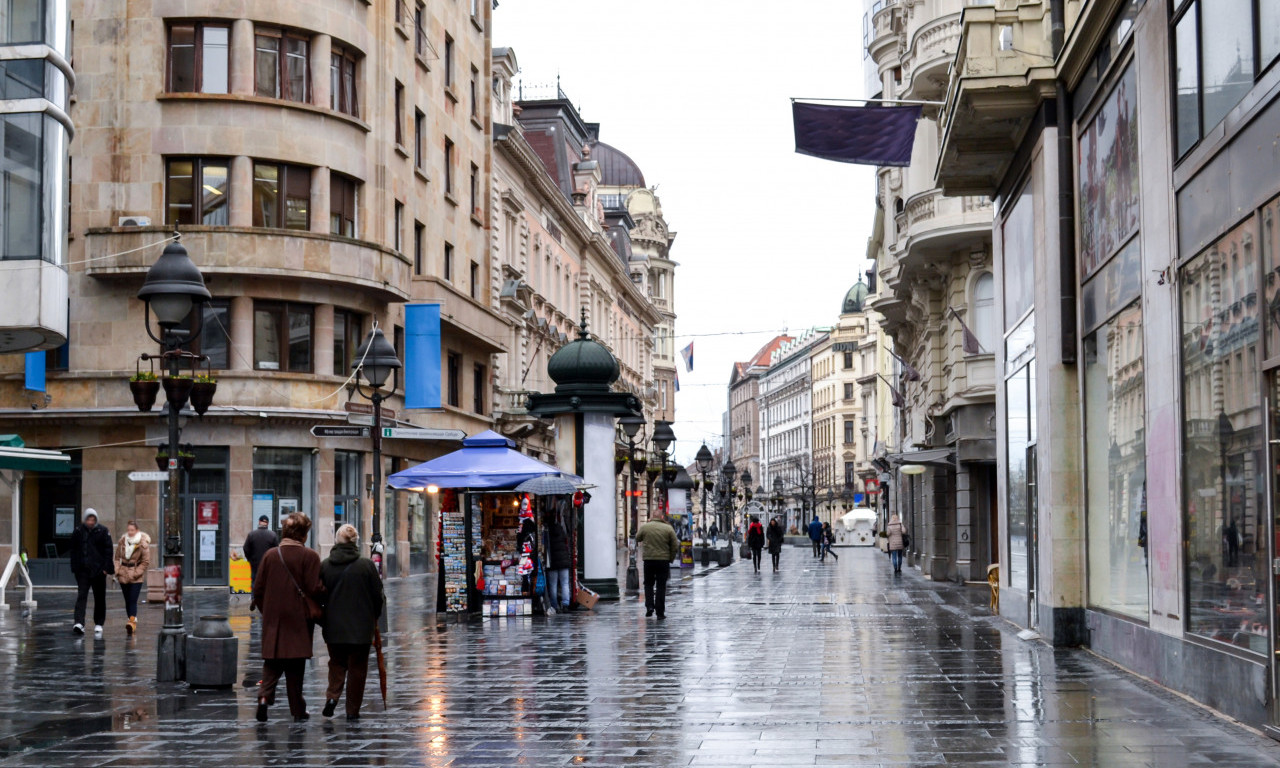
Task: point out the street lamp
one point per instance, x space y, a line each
633 427
375 360
729 474
703 459
172 291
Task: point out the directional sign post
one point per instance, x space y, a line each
339 431
148 477
393 433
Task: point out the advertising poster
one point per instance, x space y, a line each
207 515
686 554
287 507
64 521
264 503
208 546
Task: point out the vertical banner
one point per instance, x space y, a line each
422 356
35 371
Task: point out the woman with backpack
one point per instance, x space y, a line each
755 540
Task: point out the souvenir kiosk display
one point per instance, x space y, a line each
488 537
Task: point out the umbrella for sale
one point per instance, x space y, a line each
547 485
382 666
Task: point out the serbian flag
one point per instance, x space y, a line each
687 354
677 389
870 135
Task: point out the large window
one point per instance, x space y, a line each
22 21
282 65
1020 421
284 481
342 205
282 336
1108 171
196 191
1224 473
343 91
453 379
198 57
215 333
1115 462
984 311
1018 250
281 196
1215 63
32 187
348 331
479 383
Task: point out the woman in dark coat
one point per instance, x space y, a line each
353 603
288 575
755 540
559 561
774 535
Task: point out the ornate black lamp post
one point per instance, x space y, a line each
173 291
704 459
375 360
729 476
633 427
663 437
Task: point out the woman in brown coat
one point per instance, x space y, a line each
133 558
288 577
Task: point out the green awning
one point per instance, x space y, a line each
15 455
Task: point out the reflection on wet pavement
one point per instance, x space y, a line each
837 664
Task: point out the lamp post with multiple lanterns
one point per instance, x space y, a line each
633 428
374 361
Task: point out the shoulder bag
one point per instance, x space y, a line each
315 613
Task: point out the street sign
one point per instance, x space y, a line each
387 413
325 431
423 434
360 419
148 477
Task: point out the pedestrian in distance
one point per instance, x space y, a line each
287 591
714 533
775 536
815 535
353 603
132 561
828 539
755 540
897 541
660 548
256 545
92 563
559 561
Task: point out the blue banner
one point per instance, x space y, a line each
863 135
35 371
422 356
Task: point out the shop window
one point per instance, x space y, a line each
454 379
478 386
342 205
215 333
198 58
1020 470
348 332
282 336
283 482
1269 221
1108 175
1225 521
343 94
282 65
196 191
1018 252
1115 464
348 469
281 196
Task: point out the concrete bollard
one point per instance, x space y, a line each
212 654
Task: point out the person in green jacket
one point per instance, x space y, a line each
660 548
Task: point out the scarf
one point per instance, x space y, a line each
131 543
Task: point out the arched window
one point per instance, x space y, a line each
984 311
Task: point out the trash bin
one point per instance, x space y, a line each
212 654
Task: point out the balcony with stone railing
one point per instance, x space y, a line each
928 58
886 23
931 222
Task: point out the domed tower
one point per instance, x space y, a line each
855 300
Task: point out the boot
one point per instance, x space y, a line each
132 625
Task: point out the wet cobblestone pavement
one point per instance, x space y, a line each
836 664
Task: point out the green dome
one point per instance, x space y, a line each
583 364
856 299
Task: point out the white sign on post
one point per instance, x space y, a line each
422 434
148 477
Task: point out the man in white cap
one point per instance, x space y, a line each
92 562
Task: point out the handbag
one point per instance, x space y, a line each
315 613
906 540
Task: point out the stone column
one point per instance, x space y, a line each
242 57
321 49
323 337
320 201
241 189
241 357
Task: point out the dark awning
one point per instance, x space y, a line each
15 455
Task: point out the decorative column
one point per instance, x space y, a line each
242 57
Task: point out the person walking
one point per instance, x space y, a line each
755 540
132 561
256 545
353 603
714 533
897 541
92 563
660 547
287 587
828 538
815 535
774 536
559 561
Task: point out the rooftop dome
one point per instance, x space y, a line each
616 169
856 299
583 365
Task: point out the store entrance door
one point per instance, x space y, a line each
206 554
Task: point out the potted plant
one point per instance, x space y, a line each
186 458
202 389
144 387
177 389
618 463
162 460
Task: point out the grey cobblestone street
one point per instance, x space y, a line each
836 664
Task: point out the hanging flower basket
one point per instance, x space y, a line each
162 461
177 389
618 463
144 388
187 461
202 390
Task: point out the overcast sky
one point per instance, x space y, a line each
697 93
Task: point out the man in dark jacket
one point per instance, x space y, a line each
660 548
91 561
353 602
257 543
559 561
815 535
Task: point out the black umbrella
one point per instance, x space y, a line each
547 485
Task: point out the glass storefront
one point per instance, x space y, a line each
1223 470
284 482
